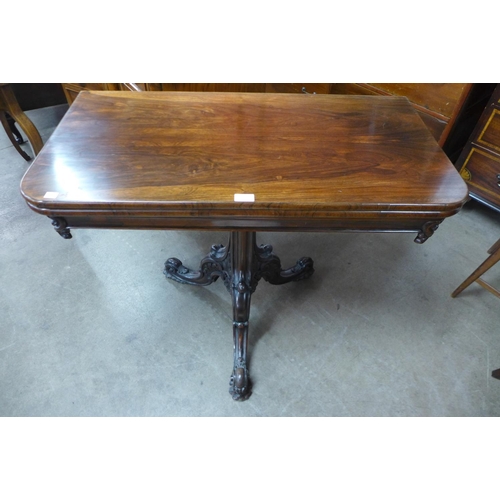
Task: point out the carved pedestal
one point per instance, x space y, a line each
240 264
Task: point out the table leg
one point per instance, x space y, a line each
61 226
241 264
242 286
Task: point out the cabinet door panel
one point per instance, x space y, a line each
481 170
490 136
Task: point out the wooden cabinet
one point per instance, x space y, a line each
438 104
307 88
71 90
479 163
209 87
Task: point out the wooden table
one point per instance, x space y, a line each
243 163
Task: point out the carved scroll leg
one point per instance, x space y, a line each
175 270
239 384
61 226
427 231
242 245
301 271
271 271
211 267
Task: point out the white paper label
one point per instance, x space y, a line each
51 195
244 197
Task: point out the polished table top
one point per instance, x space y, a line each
177 160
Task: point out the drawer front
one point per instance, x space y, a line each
481 170
435 125
433 98
353 89
92 86
133 87
489 137
210 87
71 90
309 88
441 98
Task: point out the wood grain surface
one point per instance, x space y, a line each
161 159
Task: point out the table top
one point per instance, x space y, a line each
162 154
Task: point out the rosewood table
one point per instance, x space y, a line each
242 163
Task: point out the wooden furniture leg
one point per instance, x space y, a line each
494 248
9 104
13 129
10 135
241 287
240 264
494 257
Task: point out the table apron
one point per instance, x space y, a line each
372 224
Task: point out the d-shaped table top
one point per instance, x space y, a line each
302 162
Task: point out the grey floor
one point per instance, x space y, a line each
90 326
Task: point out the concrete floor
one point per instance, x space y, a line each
91 327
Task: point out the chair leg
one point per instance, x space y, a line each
10 135
494 248
12 107
14 130
489 262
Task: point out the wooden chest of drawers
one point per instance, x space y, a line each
71 90
442 106
479 163
438 104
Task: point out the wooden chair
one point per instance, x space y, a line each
11 113
494 257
